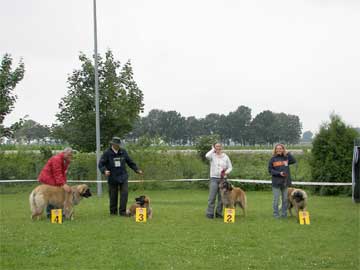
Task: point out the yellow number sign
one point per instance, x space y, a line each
304 217
140 215
56 216
229 215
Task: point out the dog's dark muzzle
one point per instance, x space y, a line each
298 197
87 193
140 200
226 186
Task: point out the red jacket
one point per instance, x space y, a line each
54 172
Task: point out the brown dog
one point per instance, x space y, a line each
43 195
232 196
297 198
141 202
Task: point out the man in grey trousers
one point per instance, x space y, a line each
220 167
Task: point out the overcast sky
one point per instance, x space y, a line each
195 56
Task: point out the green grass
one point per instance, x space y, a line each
180 237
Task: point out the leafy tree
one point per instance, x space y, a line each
29 130
120 102
8 80
173 126
287 128
213 123
152 123
203 145
264 128
332 154
239 123
307 136
193 129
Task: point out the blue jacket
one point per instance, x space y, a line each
279 164
116 164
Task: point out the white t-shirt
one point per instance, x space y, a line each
218 163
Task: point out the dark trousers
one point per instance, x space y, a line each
113 194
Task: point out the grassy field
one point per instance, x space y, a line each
180 237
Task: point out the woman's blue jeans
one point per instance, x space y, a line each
277 192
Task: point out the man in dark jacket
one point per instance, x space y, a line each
113 165
281 179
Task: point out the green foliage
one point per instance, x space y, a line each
238 124
29 130
120 102
8 80
45 152
236 127
157 165
30 147
332 155
307 136
20 165
269 127
204 144
179 236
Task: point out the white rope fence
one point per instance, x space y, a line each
197 180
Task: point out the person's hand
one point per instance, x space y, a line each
140 172
66 188
283 174
107 173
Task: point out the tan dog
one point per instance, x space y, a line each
43 195
297 198
232 196
141 202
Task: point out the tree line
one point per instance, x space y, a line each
237 127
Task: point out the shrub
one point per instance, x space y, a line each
332 155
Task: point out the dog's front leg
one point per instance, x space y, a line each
68 210
290 211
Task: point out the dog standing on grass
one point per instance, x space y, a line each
297 198
140 202
43 195
232 196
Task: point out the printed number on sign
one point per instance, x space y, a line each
56 216
229 215
140 215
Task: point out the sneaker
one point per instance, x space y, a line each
210 216
219 216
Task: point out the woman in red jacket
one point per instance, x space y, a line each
54 172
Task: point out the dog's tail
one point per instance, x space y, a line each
243 204
32 201
36 201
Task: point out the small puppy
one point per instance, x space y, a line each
43 195
297 198
232 196
140 202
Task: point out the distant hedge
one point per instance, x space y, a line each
157 165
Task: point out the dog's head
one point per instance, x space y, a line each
84 191
142 200
298 196
225 185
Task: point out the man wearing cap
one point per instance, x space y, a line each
112 165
